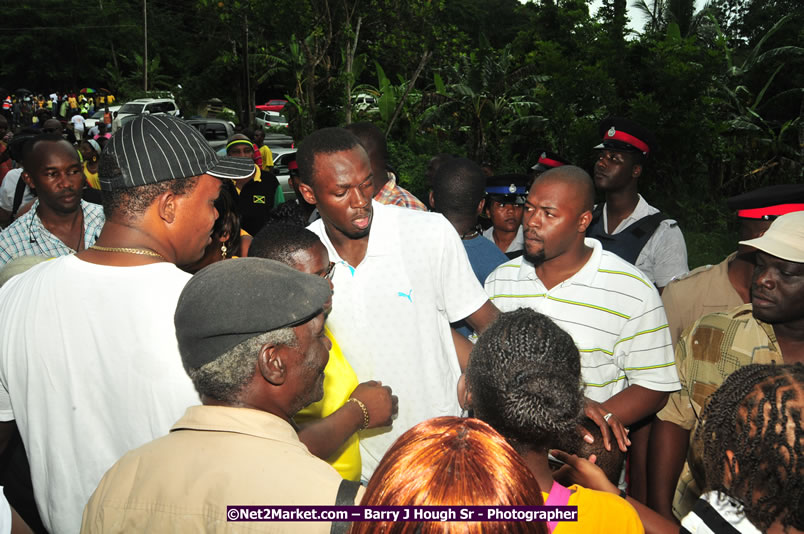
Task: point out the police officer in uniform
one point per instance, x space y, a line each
625 223
547 160
724 286
505 200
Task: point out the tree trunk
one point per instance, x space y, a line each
350 59
408 89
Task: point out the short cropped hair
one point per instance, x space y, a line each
289 213
524 374
30 144
371 137
132 202
450 461
280 242
324 141
578 178
458 187
225 377
611 462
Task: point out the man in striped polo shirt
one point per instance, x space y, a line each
611 310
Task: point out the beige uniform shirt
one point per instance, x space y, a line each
702 291
714 347
214 456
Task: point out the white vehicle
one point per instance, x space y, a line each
271 119
364 102
98 116
283 156
130 110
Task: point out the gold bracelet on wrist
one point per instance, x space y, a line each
365 412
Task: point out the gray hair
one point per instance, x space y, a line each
224 378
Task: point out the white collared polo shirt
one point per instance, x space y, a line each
391 315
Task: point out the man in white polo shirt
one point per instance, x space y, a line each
402 276
611 310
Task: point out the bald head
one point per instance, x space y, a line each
557 214
577 179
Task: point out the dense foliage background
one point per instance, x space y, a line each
495 80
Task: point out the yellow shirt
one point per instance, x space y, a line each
601 512
267 157
339 382
92 178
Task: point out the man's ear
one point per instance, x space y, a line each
731 464
166 206
270 363
307 193
432 198
584 221
480 206
27 179
636 170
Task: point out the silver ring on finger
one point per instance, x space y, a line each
607 417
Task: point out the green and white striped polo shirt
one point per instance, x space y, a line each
613 313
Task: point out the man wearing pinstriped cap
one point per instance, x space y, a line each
89 363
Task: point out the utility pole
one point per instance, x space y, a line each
249 115
145 58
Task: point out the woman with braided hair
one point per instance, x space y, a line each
753 442
524 379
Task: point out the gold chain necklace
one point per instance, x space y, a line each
127 250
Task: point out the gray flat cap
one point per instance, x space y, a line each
234 300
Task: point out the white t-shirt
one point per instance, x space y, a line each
78 122
391 315
614 315
89 369
9 188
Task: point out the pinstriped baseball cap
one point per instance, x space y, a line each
158 148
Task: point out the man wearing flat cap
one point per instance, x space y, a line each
505 198
769 329
255 361
625 223
89 364
720 287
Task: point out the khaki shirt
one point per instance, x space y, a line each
214 456
709 351
704 290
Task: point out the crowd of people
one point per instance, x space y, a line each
176 337
23 109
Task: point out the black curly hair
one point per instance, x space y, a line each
524 374
756 414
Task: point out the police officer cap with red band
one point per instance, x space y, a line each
549 160
767 203
507 188
626 135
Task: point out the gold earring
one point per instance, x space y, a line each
223 252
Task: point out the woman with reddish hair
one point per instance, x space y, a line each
449 461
